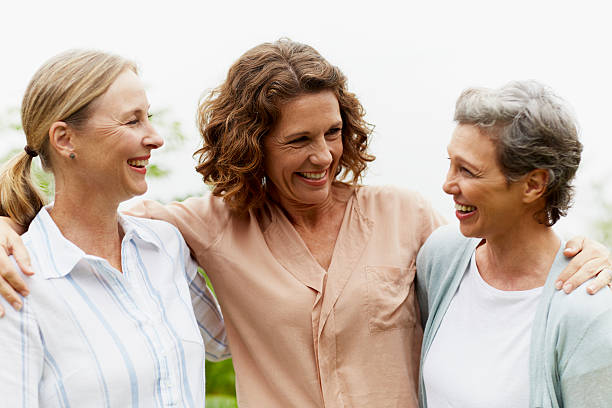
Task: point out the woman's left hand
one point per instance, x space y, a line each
589 258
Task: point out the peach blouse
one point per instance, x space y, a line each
302 336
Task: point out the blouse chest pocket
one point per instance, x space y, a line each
390 297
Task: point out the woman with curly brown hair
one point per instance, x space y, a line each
314 272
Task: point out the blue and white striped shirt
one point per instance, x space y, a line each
90 336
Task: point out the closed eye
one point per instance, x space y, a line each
297 140
333 133
466 171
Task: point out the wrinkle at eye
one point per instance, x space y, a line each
111 130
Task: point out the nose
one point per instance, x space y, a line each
321 154
450 185
152 140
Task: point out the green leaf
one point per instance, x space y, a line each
153 170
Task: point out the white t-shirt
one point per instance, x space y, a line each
480 354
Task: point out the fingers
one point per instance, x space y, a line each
591 257
22 257
582 273
7 292
603 279
573 246
570 270
9 276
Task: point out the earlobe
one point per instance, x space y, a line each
60 139
535 185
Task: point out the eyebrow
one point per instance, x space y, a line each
135 110
460 158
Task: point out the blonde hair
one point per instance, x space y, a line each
61 90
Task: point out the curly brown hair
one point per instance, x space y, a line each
234 118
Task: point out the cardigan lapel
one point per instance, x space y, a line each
540 398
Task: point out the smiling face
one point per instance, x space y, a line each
486 205
113 147
302 152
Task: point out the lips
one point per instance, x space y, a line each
139 164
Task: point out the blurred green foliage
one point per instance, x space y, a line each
220 378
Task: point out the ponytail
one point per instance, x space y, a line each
20 199
61 89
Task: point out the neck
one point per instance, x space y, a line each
310 216
520 258
90 222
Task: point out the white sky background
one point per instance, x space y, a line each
406 61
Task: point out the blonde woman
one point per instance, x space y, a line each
109 321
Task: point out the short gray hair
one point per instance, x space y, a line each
532 128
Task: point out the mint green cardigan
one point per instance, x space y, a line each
570 362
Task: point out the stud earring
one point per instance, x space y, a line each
72 155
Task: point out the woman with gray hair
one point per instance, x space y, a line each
498 334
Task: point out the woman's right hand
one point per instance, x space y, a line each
11 281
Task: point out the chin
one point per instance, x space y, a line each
138 191
468 232
318 197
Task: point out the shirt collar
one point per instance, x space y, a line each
137 229
60 256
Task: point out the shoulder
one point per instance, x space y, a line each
389 196
205 208
159 232
201 220
578 310
396 202
445 245
404 208
579 329
147 224
447 236
446 240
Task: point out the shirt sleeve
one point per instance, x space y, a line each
207 313
21 356
586 372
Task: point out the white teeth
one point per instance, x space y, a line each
464 208
314 176
138 163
